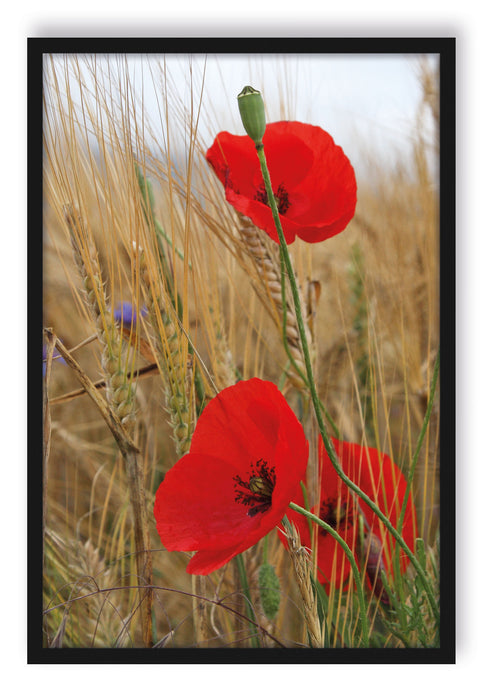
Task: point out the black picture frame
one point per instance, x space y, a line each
446 49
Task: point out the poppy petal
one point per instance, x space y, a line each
195 505
208 560
383 482
314 174
206 501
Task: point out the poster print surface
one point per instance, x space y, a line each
242 422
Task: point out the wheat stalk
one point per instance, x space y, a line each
120 392
264 254
175 372
301 563
120 396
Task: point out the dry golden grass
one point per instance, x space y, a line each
374 318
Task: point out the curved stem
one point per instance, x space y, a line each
286 344
421 437
314 396
363 616
284 322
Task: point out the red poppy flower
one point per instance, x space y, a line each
248 455
384 483
311 177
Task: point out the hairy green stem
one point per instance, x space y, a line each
314 396
352 561
422 434
419 444
284 322
286 344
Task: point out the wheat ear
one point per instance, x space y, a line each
174 370
302 568
264 254
120 397
120 392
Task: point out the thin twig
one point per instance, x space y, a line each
130 452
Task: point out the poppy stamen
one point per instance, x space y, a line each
335 513
281 198
256 491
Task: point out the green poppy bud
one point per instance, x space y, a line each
252 111
269 590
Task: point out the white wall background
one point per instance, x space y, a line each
470 23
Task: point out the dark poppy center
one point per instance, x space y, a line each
281 197
336 514
256 490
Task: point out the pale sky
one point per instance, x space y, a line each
365 101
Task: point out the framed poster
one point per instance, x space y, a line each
240 324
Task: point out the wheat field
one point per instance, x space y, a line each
134 214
